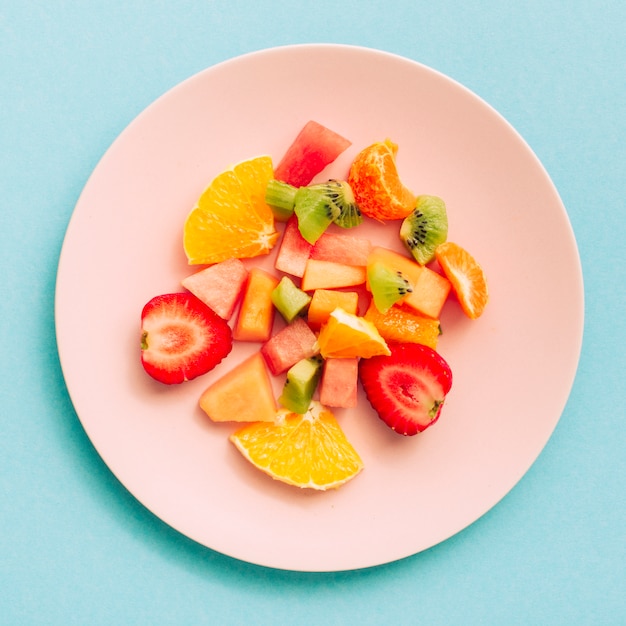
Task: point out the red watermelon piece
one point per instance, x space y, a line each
311 151
294 250
291 344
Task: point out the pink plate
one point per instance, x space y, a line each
124 245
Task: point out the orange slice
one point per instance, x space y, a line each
308 451
231 218
376 184
466 276
346 335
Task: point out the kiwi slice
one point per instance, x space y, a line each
425 228
315 212
340 193
280 197
290 300
300 384
387 285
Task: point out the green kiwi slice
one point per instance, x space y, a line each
425 228
387 285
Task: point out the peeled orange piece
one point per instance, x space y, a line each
466 276
346 335
307 450
376 184
231 218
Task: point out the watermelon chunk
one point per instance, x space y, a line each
219 286
293 343
339 384
311 151
294 250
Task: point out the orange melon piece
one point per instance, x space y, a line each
331 275
256 314
244 394
325 301
339 383
402 324
430 293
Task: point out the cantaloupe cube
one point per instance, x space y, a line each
325 301
331 275
219 286
256 314
244 394
429 293
288 346
294 250
342 248
339 383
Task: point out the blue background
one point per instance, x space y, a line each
75 546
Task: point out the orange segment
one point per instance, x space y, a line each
402 325
376 184
231 218
345 335
307 451
466 275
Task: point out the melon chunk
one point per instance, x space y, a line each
312 150
342 248
339 384
256 314
219 286
244 394
290 345
331 275
294 250
325 301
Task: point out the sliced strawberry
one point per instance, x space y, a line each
407 389
181 338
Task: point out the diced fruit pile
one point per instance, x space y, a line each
353 311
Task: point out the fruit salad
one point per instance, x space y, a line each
353 312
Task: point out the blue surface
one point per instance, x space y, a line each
76 547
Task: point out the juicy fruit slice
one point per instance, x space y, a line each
339 384
294 250
281 198
325 301
300 384
315 213
349 336
312 150
425 228
331 275
342 248
376 184
292 343
388 286
407 388
400 324
219 286
305 450
256 314
467 277
181 338
244 394
231 218
289 300
340 194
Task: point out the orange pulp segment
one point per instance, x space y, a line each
376 184
346 335
231 218
308 451
466 276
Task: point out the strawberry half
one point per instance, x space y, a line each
181 338
407 388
